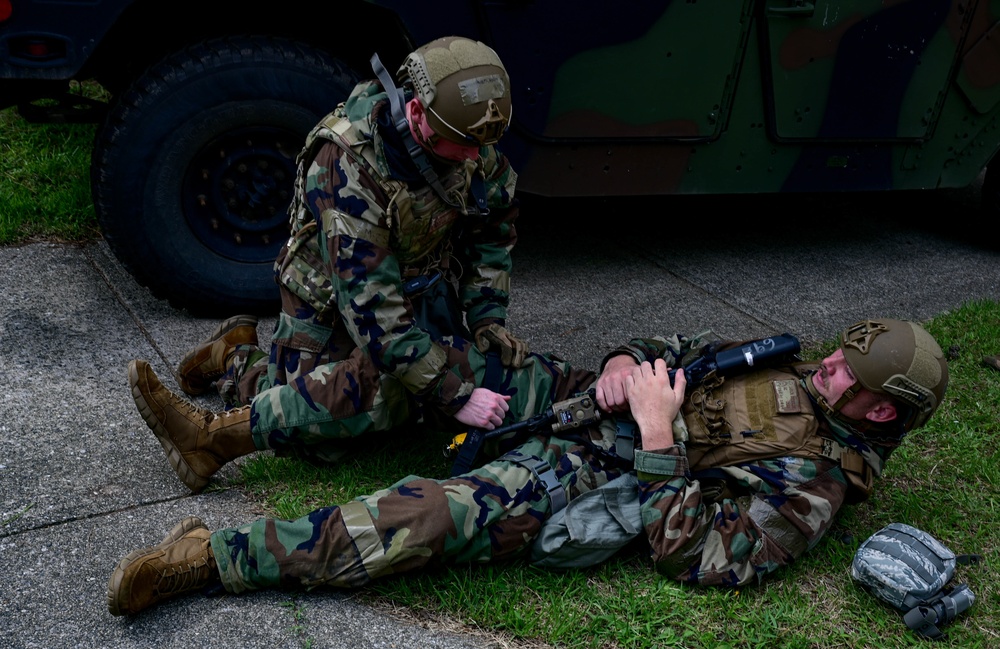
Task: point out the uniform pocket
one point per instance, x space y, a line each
302 335
303 271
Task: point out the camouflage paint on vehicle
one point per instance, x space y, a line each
758 96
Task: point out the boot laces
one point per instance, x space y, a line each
191 411
186 576
227 414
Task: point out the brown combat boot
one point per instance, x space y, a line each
208 360
181 563
197 441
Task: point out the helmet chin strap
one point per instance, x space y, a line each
834 411
887 434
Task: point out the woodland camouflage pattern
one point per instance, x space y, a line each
347 356
710 525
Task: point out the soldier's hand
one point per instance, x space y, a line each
485 409
655 403
495 337
610 389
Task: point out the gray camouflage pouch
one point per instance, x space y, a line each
910 569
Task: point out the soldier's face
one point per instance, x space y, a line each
834 377
425 135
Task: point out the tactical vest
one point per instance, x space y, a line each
764 415
419 222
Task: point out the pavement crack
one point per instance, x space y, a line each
120 298
85 517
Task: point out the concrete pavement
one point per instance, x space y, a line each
83 481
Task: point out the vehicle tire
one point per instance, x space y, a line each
193 169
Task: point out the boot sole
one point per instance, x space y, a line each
115 581
224 328
191 480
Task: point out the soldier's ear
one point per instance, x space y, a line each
883 411
415 109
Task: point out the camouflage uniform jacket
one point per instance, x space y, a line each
364 221
732 524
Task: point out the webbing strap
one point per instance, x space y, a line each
544 474
625 439
923 620
848 458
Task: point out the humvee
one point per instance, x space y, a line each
193 158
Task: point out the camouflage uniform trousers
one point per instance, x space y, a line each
488 513
305 404
312 406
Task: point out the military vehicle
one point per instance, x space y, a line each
194 157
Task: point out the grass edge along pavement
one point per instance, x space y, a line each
943 479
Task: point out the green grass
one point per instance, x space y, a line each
45 181
943 479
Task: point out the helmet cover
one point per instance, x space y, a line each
898 359
464 87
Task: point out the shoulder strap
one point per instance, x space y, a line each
416 152
625 435
852 463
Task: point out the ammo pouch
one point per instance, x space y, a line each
300 268
435 306
910 569
750 417
591 528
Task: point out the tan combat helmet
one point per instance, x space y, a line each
899 359
464 88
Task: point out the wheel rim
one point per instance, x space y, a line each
237 190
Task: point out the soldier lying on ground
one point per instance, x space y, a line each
737 476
